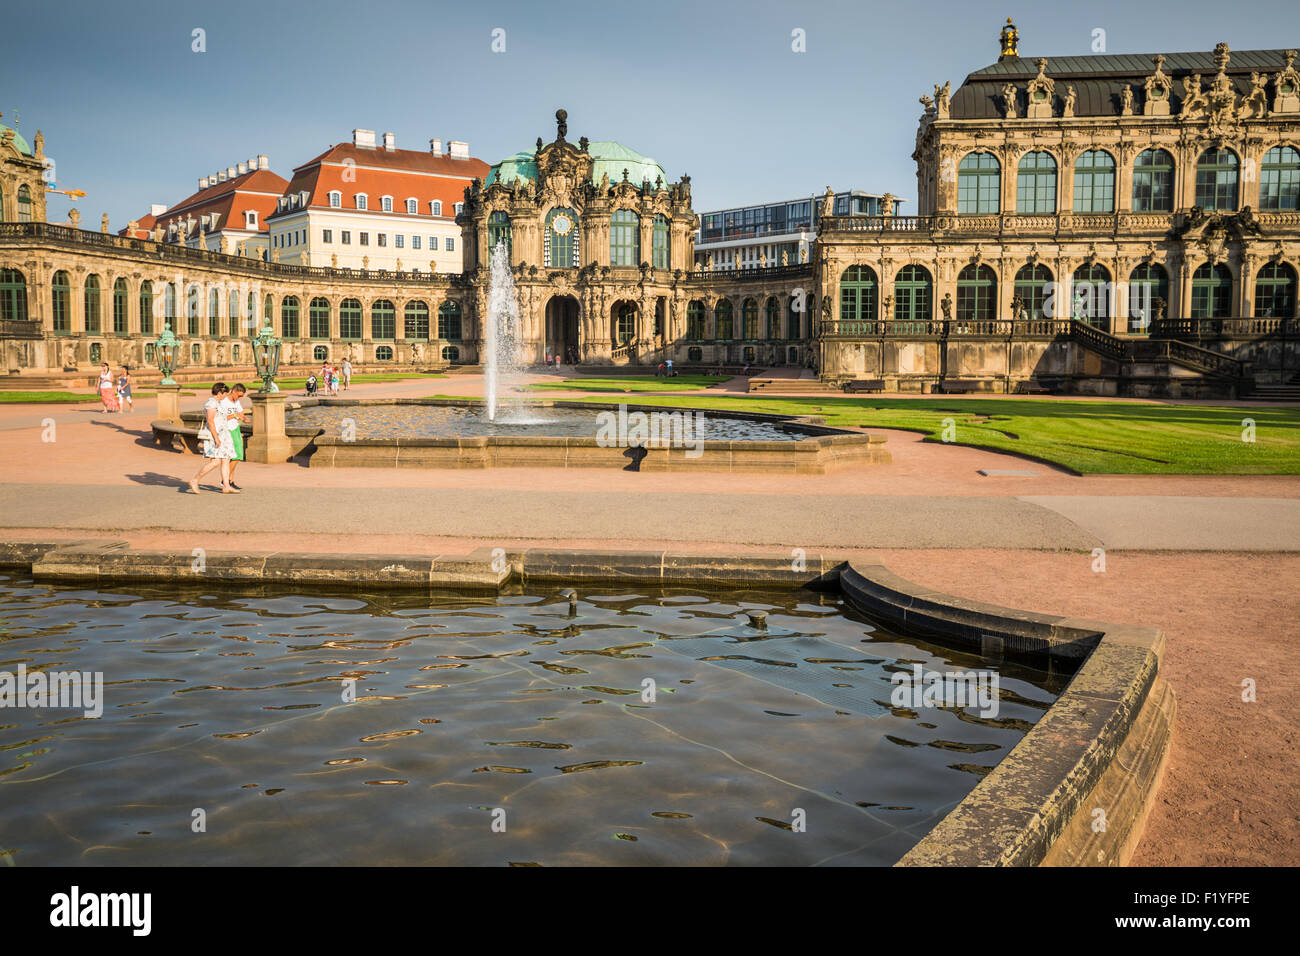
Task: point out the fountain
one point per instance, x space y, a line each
499 337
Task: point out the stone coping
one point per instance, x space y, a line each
1075 790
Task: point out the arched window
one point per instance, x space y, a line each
318 318
1094 182
858 293
1275 291
1153 181
450 353
24 203
1216 180
1033 284
749 319
624 238
1090 300
13 296
289 317
793 317
121 294
232 307
169 305
979 177
90 299
383 353
695 320
1279 179
977 293
350 319
1211 292
913 294
415 321
193 307
660 236
383 320
561 239
268 312
1036 184
449 322
773 318
320 353
499 231
146 307
722 320
624 323
214 313
61 299
196 354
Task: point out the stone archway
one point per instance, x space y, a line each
563 327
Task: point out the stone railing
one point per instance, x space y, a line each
1099 341
800 271
938 328
1228 328
876 224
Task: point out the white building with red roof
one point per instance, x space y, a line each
367 204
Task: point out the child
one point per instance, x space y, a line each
124 390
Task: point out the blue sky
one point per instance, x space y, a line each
712 87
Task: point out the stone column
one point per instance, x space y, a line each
1184 289
269 444
1243 300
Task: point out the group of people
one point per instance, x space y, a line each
570 357
222 438
115 393
665 369
333 377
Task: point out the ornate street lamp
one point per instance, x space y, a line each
166 351
266 355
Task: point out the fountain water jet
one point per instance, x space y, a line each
500 334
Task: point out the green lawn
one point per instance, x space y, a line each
50 398
288 384
633 383
1090 437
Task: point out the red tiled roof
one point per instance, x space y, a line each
145 224
257 189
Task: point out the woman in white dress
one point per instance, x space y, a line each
218 447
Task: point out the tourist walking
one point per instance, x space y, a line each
218 448
107 389
347 373
334 381
124 389
669 366
234 409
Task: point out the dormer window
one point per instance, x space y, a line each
458 207
386 203
411 207
361 200
336 199
250 219
435 207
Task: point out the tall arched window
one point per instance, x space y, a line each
1279 179
90 299
24 203
858 287
169 305
1146 284
1090 299
318 318
13 296
660 236
749 319
350 319
793 318
121 296
232 313
624 323
1036 184
268 312
695 321
561 239
1094 182
722 320
61 299
289 317
913 294
979 177
977 293
1216 180
146 307
415 321
1211 292
1153 181
499 231
249 317
624 238
214 313
1033 284
773 318
1275 291
383 320
449 321
193 307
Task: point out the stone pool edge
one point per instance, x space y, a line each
1102 746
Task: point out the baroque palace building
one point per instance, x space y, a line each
1104 224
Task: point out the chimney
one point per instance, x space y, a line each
435 147
390 141
458 149
252 165
230 172
262 161
243 168
363 138
203 183
221 175
157 209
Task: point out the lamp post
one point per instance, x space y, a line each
269 443
166 352
266 356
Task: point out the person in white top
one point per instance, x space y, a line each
218 448
107 388
234 410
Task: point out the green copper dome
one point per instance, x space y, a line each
610 159
20 144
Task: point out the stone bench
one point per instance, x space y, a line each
865 385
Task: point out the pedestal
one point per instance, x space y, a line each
269 444
169 403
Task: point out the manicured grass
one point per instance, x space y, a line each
51 398
1089 437
287 384
633 383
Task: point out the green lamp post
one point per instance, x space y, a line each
166 351
266 356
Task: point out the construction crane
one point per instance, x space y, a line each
74 194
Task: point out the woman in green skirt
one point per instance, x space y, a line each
234 416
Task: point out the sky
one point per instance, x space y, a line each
133 114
